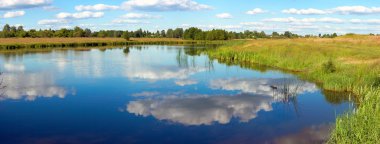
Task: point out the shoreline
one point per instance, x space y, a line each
303 58
11 44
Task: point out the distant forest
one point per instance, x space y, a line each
188 34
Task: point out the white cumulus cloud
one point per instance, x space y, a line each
255 11
337 10
356 10
366 21
164 5
224 16
139 16
79 15
128 21
22 4
305 20
52 21
13 14
310 11
97 7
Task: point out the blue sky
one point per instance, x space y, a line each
299 16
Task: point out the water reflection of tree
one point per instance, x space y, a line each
126 50
186 59
337 98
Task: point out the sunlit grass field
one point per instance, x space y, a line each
347 63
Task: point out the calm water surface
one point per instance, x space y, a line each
156 94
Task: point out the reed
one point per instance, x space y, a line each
8 44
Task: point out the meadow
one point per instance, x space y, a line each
347 63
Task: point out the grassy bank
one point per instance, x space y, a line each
33 43
349 63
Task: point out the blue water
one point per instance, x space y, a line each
156 94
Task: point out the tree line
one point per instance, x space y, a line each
192 33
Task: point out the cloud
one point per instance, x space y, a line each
50 8
202 110
252 24
305 20
255 11
208 27
128 21
139 16
52 21
185 82
367 21
356 10
224 16
22 4
79 15
164 5
97 7
13 14
310 11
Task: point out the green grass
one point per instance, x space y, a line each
341 64
11 44
362 125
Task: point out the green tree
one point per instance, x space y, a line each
78 32
126 35
192 32
170 33
163 34
288 34
6 31
21 32
87 32
178 33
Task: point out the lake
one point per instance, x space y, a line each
157 94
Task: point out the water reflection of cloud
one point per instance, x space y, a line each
262 86
30 86
313 134
154 73
202 109
14 67
185 82
146 94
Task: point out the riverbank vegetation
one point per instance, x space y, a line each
11 44
14 38
348 63
191 33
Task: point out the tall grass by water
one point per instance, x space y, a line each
350 63
7 44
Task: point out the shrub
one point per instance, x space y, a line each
329 67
